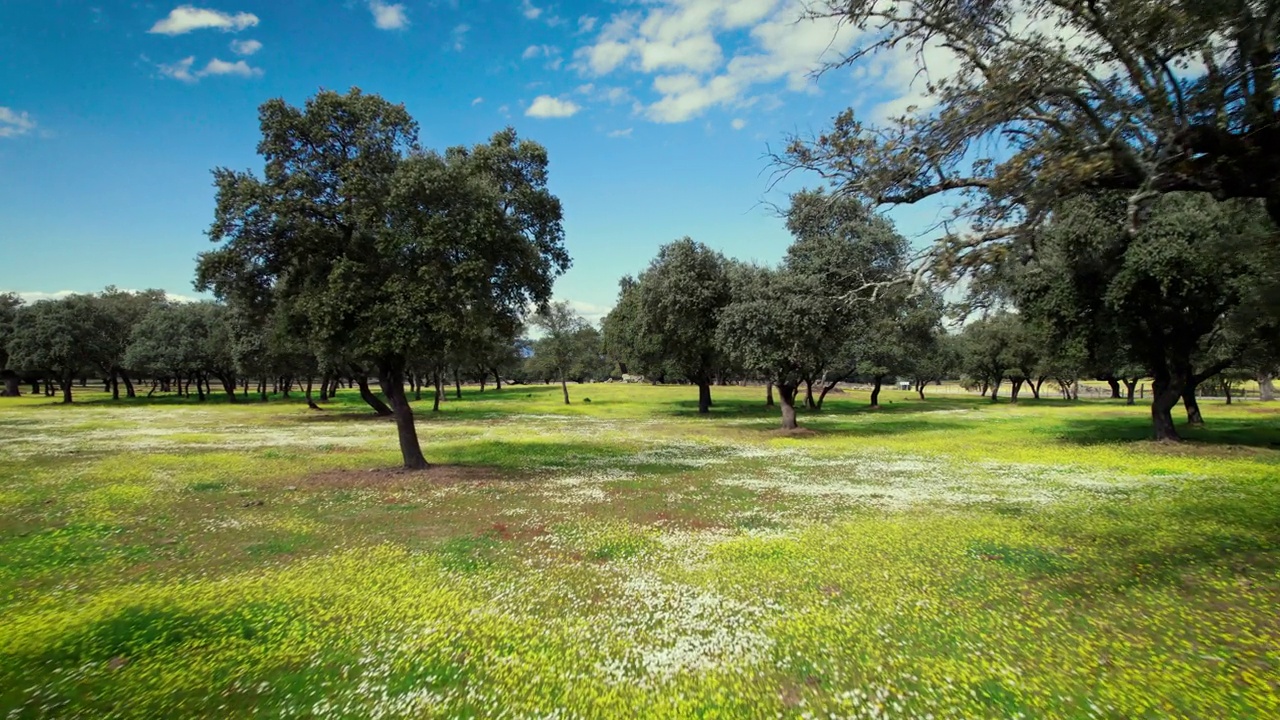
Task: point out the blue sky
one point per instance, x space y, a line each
656 116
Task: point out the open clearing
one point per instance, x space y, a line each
626 558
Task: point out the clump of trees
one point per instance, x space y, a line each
840 306
1111 172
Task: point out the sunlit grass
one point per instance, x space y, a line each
628 558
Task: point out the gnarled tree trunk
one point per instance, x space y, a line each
875 391
1015 385
768 394
1166 390
1192 406
373 400
1115 387
1266 389
391 378
1129 385
787 395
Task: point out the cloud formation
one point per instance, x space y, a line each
681 44
388 16
186 18
14 123
458 36
245 47
545 106
183 69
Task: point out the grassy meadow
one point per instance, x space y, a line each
627 558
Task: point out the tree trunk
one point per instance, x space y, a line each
497 380
437 390
324 388
920 388
808 395
66 387
768 394
1035 387
995 390
1166 390
1129 385
1226 389
229 385
114 381
392 381
262 389
564 385
12 387
875 391
311 403
1014 386
1115 388
787 396
986 386
1192 406
457 384
1266 390
704 397
373 400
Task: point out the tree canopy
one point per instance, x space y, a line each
383 249
1021 104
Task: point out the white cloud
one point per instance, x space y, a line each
550 53
590 312
182 70
459 36
185 18
388 16
678 42
620 133
545 106
477 101
222 67
14 123
587 23
534 51
738 123
245 47
529 10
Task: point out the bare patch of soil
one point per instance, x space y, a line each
392 478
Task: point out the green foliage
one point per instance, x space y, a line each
9 305
378 250
1149 97
61 337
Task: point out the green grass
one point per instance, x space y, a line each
628 558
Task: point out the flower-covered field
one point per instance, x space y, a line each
627 558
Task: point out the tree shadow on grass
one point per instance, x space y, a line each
1259 432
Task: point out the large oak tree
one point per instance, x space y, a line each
384 248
